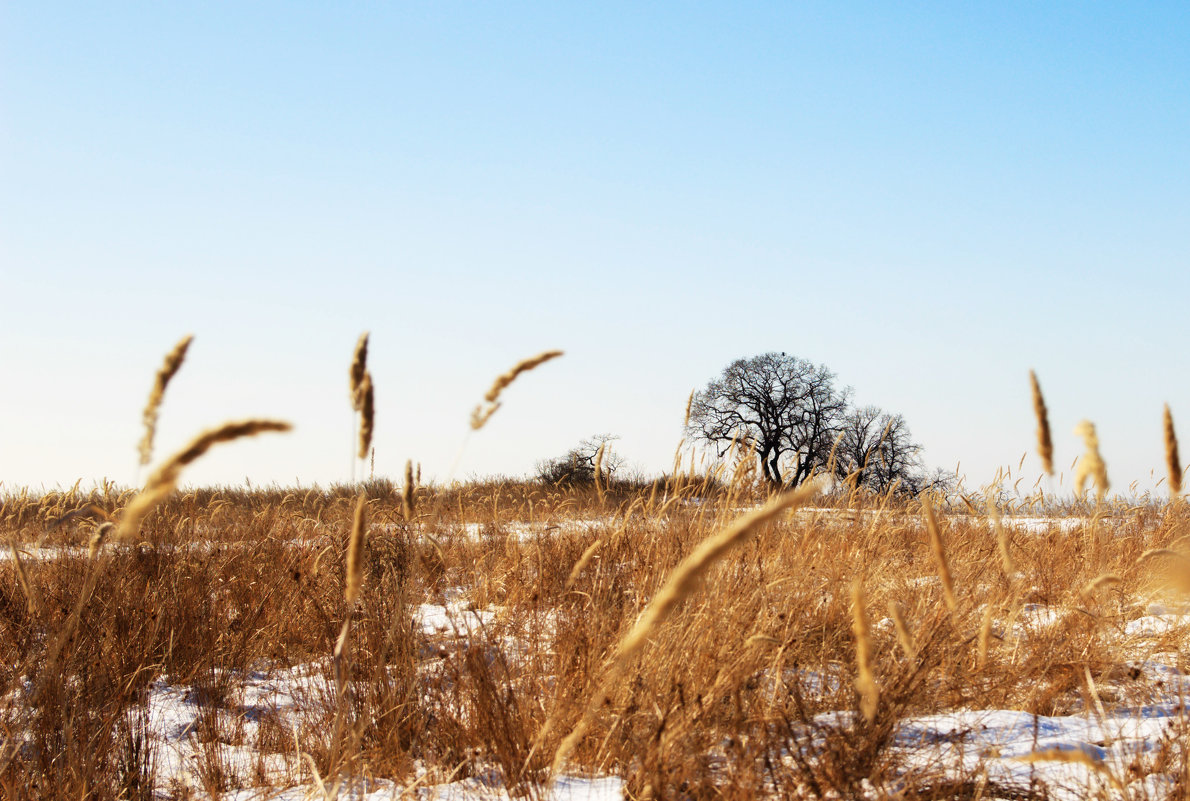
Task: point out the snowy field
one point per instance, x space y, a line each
1120 742
1095 751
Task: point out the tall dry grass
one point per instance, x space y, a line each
689 633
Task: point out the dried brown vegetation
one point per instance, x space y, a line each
691 634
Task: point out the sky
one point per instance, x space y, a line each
929 198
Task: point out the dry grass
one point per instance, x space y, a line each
689 634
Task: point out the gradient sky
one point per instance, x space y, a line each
929 198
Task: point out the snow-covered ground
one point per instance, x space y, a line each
1109 751
1115 752
183 748
1096 750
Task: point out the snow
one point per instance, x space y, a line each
456 615
998 744
175 733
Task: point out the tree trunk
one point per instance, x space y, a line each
771 475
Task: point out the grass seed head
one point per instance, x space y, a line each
1171 455
1045 443
367 413
407 497
173 363
355 550
904 636
164 479
939 552
359 366
1091 464
481 413
865 680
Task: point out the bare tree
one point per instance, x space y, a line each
578 465
788 410
876 451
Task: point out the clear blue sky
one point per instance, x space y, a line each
930 198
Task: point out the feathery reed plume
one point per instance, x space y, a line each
1045 444
1171 456
482 414
582 562
939 556
689 406
682 582
359 366
407 499
355 550
367 413
904 636
165 478
1091 464
865 681
173 362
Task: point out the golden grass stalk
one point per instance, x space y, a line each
1171 455
689 406
1002 540
1091 464
985 636
173 363
367 413
865 680
359 367
1045 443
682 582
968 503
582 562
599 470
355 550
407 499
32 596
482 414
164 479
939 556
904 636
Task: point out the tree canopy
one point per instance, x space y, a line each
798 421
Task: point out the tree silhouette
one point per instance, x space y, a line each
797 421
787 410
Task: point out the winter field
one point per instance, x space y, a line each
838 650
